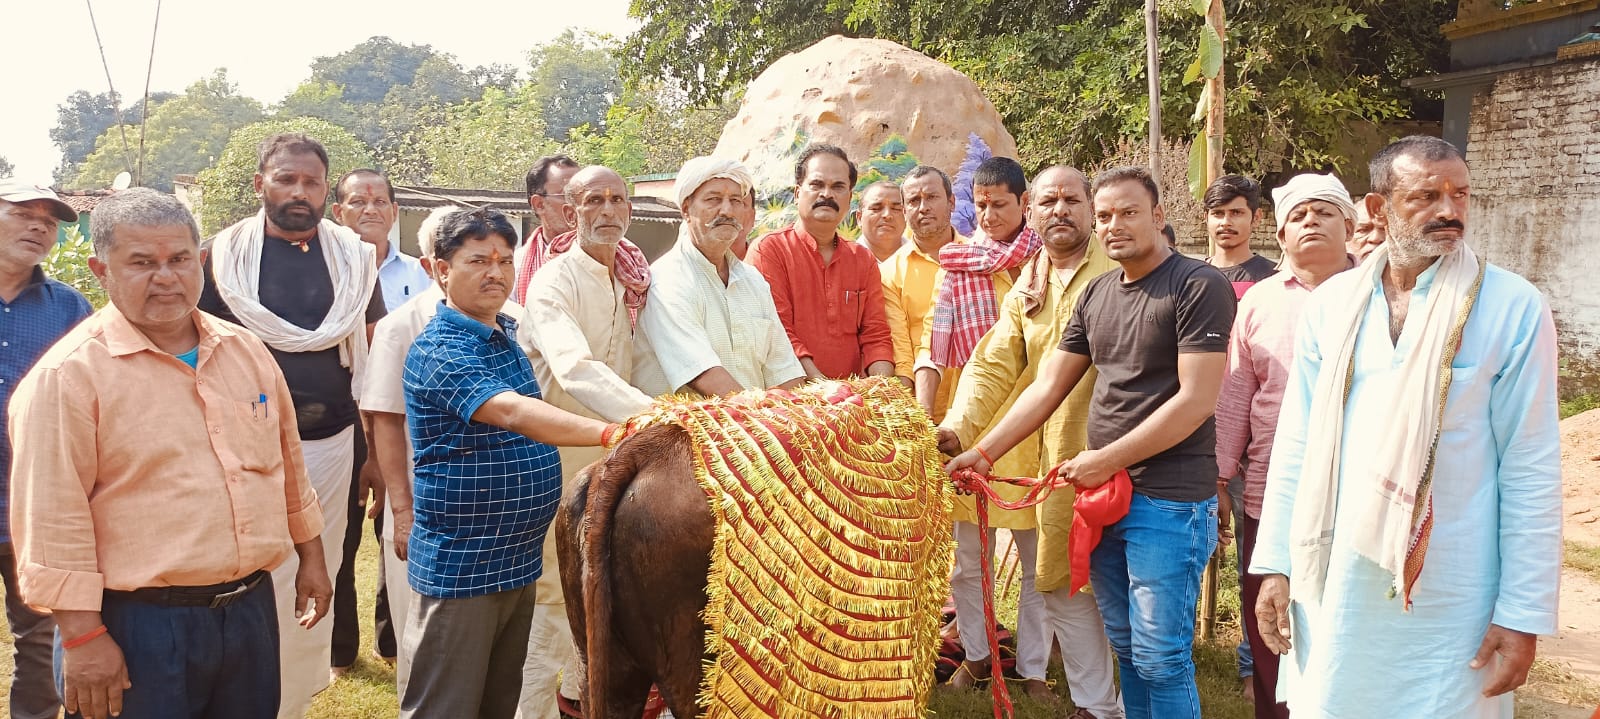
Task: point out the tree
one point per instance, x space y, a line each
83 116
315 98
574 78
369 70
184 135
1067 74
227 193
653 128
486 143
6 168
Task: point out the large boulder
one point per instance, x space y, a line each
858 93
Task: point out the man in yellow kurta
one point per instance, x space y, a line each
1029 327
911 275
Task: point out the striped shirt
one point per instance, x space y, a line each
484 496
29 324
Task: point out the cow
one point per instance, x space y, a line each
644 490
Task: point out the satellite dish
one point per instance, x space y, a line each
122 182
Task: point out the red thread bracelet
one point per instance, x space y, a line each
607 433
84 638
984 455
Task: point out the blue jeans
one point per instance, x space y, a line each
195 662
1146 576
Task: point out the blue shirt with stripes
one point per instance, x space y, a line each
29 324
483 496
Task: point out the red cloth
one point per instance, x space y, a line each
966 307
1092 511
632 270
537 254
833 313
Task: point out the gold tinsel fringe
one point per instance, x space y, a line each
832 549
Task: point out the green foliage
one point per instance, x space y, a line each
68 262
574 78
1579 404
83 116
183 135
368 71
1068 75
487 143
227 189
653 128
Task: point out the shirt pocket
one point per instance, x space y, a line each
1467 403
253 436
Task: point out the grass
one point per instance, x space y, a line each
1584 558
1579 404
368 691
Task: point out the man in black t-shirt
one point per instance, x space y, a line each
309 289
1157 332
1233 208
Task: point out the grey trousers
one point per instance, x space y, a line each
33 685
466 655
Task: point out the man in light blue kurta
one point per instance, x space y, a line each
1488 514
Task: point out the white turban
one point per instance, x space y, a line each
701 170
1308 187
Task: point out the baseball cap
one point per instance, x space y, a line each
13 191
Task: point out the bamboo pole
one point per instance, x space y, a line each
1153 70
1214 147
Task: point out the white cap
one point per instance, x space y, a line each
13 191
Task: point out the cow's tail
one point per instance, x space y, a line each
606 490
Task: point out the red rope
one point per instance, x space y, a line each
968 480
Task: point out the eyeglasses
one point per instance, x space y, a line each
552 196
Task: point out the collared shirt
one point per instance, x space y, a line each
833 311
1002 365
692 323
581 339
1260 352
910 288
137 471
383 389
484 496
401 277
32 321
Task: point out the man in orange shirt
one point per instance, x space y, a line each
827 290
158 479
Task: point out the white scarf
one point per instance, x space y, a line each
1387 522
352 266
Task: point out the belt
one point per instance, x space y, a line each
214 596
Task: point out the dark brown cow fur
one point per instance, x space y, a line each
634 539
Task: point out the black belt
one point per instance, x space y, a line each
214 596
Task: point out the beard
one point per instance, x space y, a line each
280 216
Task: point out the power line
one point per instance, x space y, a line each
145 112
116 106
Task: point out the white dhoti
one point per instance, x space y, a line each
966 587
552 663
401 595
1086 656
303 654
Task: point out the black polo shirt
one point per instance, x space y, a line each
296 286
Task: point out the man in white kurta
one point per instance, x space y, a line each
577 328
710 326
1358 497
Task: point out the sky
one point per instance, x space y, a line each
267 46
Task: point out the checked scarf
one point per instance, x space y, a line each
967 307
632 270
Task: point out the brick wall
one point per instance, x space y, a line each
1534 150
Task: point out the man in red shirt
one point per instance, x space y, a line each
827 290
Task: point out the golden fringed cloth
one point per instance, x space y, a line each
832 552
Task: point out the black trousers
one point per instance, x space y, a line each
346 622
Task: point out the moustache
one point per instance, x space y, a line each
727 220
1061 222
298 203
1437 225
825 202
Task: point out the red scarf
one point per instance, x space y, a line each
631 269
967 307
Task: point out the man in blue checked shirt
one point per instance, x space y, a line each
35 311
486 482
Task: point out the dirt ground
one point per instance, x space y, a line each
1578 644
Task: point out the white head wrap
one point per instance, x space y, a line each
1308 187
701 170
